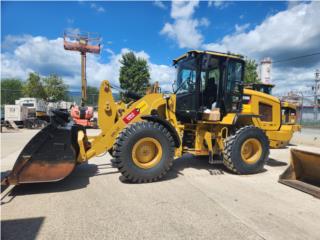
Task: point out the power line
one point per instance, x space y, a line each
298 57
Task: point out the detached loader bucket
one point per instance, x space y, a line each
49 156
303 172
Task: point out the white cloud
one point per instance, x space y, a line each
204 22
97 8
285 34
159 4
164 74
70 21
292 79
289 33
185 29
241 28
293 30
47 56
185 32
218 4
73 31
183 9
293 3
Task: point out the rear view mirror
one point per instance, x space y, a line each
174 86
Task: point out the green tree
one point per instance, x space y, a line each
92 96
11 89
250 73
134 73
34 87
54 88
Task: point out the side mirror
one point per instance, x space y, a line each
174 85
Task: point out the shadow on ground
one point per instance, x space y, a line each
202 163
25 228
292 145
79 178
275 163
194 162
199 163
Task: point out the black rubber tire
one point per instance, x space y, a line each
110 151
124 145
232 150
113 160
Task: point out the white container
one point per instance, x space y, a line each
15 113
39 104
65 105
51 106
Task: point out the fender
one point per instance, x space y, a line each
167 125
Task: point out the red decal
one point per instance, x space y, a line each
135 112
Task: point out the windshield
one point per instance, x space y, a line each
186 76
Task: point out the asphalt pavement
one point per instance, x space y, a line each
196 200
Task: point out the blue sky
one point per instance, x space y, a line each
133 25
157 31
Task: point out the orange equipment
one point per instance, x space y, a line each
83 116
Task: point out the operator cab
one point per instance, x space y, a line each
207 80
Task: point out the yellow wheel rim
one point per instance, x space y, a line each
251 151
147 153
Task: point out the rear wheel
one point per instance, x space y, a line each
144 151
246 151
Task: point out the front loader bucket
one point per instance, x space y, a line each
49 156
303 172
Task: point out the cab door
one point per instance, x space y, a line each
233 85
187 96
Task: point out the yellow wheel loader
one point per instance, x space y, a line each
206 115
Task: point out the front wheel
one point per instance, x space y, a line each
247 151
144 151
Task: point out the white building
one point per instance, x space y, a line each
265 70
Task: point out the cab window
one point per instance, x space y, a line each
187 80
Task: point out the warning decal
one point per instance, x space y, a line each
135 112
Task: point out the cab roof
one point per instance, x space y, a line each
220 54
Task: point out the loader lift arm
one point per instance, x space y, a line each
138 111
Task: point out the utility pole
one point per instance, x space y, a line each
316 90
83 43
301 107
